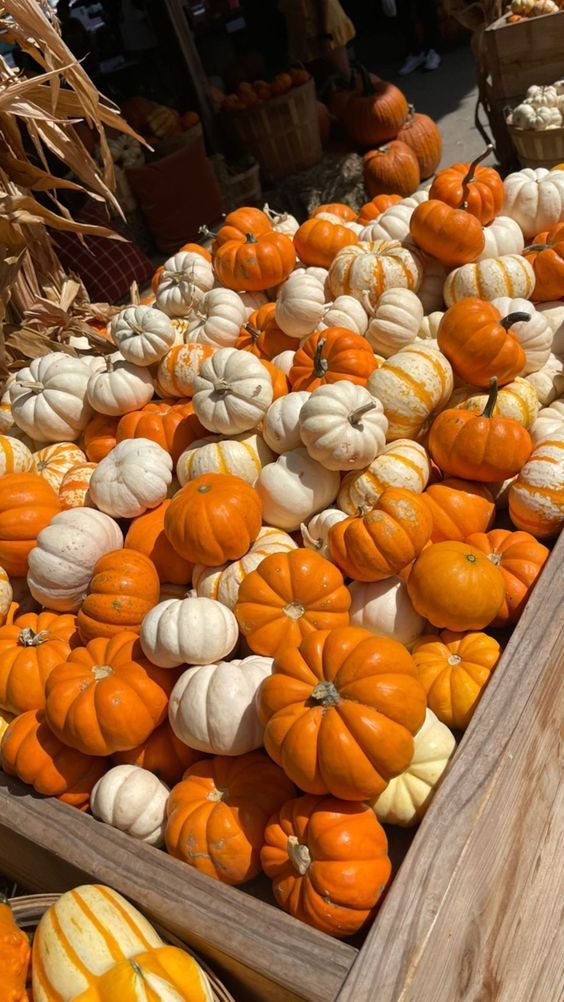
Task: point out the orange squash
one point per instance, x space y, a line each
391 169
99 437
256 264
340 712
146 534
328 862
162 753
423 135
479 343
30 647
217 815
458 508
454 669
520 558
449 235
318 241
172 425
241 221
339 209
454 585
331 355
546 255
27 505
479 190
15 956
123 588
372 210
289 596
262 336
214 519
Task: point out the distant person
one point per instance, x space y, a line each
318 31
411 15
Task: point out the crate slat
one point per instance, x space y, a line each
529 52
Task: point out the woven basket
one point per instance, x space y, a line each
538 149
282 134
30 908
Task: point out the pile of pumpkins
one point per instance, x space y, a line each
521 10
248 95
541 108
260 550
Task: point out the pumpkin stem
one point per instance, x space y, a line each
222 386
410 115
454 659
250 238
294 610
492 398
537 247
273 215
206 233
325 693
298 854
469 176
514 318
253 331
311 541
101 671
28 638
383 149
355 418
109 363
216 794
320 365
30 384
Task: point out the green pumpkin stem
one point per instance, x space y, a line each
492 399
514 318
320 365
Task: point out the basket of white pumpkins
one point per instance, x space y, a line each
536 126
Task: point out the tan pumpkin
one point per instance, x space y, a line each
365 270
510 275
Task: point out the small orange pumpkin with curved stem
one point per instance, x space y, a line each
261 335
478 190
479 342
450 235
331 355
255 264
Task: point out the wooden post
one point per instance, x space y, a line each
193 62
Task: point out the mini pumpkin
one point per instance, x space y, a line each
223 583
342 426
318 241
27 505
423 135
171 425
478 189
458 508
402 463
480 344
536 497
179 368
294 488
30 647
454 669
162 753
73 492
445 233
124 587
391 169
520 558
255 264
546 254
99 436
332 355
214 518
454 585
146 534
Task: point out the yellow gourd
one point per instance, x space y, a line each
165 974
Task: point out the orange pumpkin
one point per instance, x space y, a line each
339 712
255 264
458 508
318 241
261 335
299 75
30 647
391 169
240 222
147 535
263 90
171 425
478 190
450 235
520 558
196 249
99 437
107 697
35 755
179 367
385 540
423 135
217 815
162 753
328 862
123 588
15 955
546 255
479 343
454 669
339 209
289 596
372 210
27 505
214 519
332 355
73 492
454 585
189 119
281 84
374 114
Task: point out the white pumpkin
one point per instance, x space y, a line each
548 381
243 456
395 322
48 398
284 361
430 291
282 222
393 224
407 797
213 708
219 320
429 327
384 608
142 334
554 313
413 385
61 565
534 198
15 457
543 7
536 117
232 392
133 800
346 312
535 335
223 583
183 281
294 488
421 195
300 304
281 425
403 463
119 388
366 269
502 236
315 534
342 426
194 631
252 300
549 420
510 275
132 478
54 461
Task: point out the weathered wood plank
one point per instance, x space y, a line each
479 889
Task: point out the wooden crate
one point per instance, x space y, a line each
525 53
476 893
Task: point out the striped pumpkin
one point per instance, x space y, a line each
517 400
179 367
365 270
15 457
74 486
242 456
412 384
510 275
54 461
84 934
536 498
401 464
223 583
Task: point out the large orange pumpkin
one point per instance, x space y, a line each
374 114
123 588
520 558
147 535
423 135
27 505
107 697
340 710
391 169
217 815
385 540
479 190
479 343
256 264
331 355
546 255
30 647
171 425
31 752
458 508
241 221
162 753
449 235
214 519
289 596
99 437
454 585
318 241
328 862
454 669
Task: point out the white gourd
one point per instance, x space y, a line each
413 385
534 198
342 426
345 311
243 456
429 328
133 800
294 488
194 631
300 304
393 224
430 291
315 534
132 478
534 335
548 381
282 222
543 7
48 398
502 236
142 334
537 117
281 425
384 608
219 319
402 463
549 420
232 392
395 322
510 275
542 96
119 388
554 313
183 281
223 583
284 361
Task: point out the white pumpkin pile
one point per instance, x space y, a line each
541 109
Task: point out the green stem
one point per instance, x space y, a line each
514 318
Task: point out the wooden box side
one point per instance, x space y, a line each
479 889
529 52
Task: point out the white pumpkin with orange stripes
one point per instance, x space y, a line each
15 457
365 270
535 335
536 498
242 456
179 367
510 275
54 461
402 463
412 385
73 492
219 319
223 583
517 400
